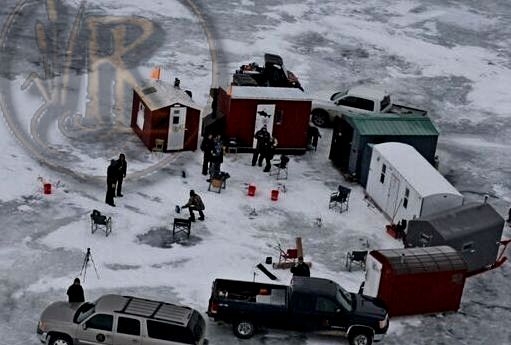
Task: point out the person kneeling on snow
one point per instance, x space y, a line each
195 204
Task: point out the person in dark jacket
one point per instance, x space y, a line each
216 157
122 166
301 269
195 204
269 152
206 146
263 139
312 137
75 292
111 180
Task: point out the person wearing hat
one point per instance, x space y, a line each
75 292
263 138
111 181
301 269
122 166
195 204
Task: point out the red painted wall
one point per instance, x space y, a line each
156 125
240 114
420 293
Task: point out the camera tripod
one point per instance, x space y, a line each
88 257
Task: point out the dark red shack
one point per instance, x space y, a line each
416 280
285 111
165 117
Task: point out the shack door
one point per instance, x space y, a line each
392 205
373 276
265 115
176 136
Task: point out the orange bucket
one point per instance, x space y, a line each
275 195
251 190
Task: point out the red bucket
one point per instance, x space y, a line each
275 194
251 190
47 188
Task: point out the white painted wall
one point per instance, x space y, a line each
373 276
390 195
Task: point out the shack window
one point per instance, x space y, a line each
383 171
405 200
175 120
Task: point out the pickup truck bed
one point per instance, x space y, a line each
404 110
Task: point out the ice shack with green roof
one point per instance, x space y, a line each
354 133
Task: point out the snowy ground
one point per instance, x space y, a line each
452 58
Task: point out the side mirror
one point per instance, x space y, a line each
84 326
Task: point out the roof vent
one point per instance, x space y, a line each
149 90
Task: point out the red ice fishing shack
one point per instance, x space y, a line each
165 117
416 280
284 111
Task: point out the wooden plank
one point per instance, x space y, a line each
299 247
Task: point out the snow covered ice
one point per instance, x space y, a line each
452 59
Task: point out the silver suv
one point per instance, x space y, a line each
120 320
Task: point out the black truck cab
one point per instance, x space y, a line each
308 305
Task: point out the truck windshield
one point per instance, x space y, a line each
344 297
83 312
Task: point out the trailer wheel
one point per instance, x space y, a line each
243 329
320 118
360 338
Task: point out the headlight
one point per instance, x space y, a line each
383 323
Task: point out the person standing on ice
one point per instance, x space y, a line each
263 138
111 180
301 269
122 166
75 292
216 157
206 146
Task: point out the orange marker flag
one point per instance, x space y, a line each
155 73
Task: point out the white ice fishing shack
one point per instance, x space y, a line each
404 185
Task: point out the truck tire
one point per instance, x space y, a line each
361 337
320 118
60 340
243 329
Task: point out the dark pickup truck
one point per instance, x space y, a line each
308 304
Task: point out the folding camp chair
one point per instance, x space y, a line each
286 256
357 256
181 225
340 199
280 168
218 182
101 222
158 145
